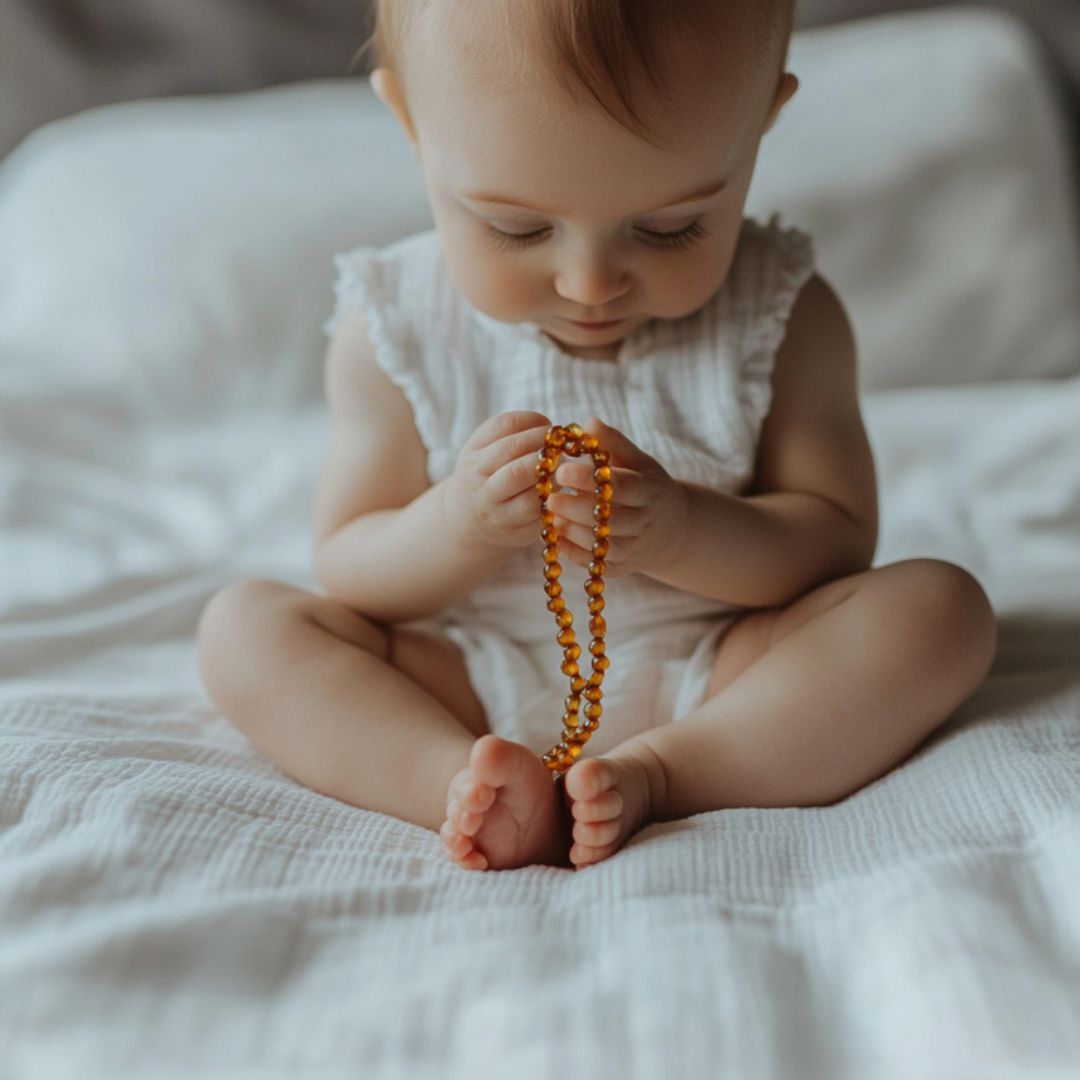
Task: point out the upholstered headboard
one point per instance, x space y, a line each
58 57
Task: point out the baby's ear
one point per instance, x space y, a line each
785 91
387 89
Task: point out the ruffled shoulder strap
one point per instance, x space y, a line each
397 288
772 265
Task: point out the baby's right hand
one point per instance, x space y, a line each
491 494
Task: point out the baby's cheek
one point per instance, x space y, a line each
490 282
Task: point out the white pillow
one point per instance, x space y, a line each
927 154
177 255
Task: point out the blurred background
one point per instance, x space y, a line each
58 57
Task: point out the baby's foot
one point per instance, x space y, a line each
609 801
503 810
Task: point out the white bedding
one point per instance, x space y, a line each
171 905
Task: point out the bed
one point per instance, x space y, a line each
173 905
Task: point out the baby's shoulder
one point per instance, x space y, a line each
397 275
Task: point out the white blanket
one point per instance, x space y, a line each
172 904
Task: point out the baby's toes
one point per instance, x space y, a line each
603 808
456 842
479 797
596 834
467 822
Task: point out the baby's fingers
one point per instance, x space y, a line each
507 423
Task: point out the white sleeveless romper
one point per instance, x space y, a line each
691 393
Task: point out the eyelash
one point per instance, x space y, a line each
682 239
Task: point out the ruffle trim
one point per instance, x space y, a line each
788 263
359 284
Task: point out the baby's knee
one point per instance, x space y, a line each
952 613
233 620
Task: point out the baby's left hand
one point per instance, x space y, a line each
648 507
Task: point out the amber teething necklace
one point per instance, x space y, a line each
573 440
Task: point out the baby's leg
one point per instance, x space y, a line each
310 682
811 702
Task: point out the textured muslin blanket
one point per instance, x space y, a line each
173 905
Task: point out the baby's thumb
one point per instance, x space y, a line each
622 450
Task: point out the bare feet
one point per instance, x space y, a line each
503 810
609 801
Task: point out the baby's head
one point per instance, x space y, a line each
561 142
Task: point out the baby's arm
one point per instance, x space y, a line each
811 514
382 540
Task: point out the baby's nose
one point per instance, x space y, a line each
592 286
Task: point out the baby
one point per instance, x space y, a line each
587 165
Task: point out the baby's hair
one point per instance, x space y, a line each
602 45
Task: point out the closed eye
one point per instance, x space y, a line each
682 239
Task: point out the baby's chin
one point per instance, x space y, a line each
601 343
